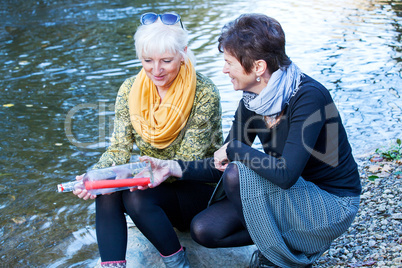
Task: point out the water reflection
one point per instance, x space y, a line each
56 56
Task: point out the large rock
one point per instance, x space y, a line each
141 253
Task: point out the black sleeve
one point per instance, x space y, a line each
200 170
307 119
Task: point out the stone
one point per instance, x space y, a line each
387 168
141 253
398 260
397 216
374 169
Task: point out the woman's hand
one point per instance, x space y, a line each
83 193
221 160
161 170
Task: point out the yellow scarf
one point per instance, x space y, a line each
159 123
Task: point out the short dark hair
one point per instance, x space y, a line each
253 37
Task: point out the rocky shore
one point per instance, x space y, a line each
375 237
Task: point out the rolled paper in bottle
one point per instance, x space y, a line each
130 182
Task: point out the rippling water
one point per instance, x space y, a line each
62 62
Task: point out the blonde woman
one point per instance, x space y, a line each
169 111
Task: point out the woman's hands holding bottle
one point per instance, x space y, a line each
82 193
161 170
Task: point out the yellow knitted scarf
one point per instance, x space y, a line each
159 123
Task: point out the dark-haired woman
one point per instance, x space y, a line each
302 191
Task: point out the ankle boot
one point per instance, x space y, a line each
177 260
113 264
259 261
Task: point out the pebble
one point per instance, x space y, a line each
397 216
375 237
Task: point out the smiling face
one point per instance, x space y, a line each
240 79
162 69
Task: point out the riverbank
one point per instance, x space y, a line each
375 237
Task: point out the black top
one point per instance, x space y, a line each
309 141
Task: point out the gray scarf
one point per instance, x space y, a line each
282 85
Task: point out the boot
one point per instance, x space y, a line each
177 260
113 264
259 261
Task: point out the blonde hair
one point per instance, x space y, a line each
160 38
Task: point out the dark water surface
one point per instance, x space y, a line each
62 62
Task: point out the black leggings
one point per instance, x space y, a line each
154 211
222 224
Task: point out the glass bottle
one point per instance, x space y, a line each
111 179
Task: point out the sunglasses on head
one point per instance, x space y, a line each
166 18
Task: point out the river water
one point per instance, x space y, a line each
62 62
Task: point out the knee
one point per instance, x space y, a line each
197 231
201 234
230 178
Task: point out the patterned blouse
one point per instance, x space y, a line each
199 139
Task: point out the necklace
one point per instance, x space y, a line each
273 121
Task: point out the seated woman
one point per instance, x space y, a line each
294 198
169 111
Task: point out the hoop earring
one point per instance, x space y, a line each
258 79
